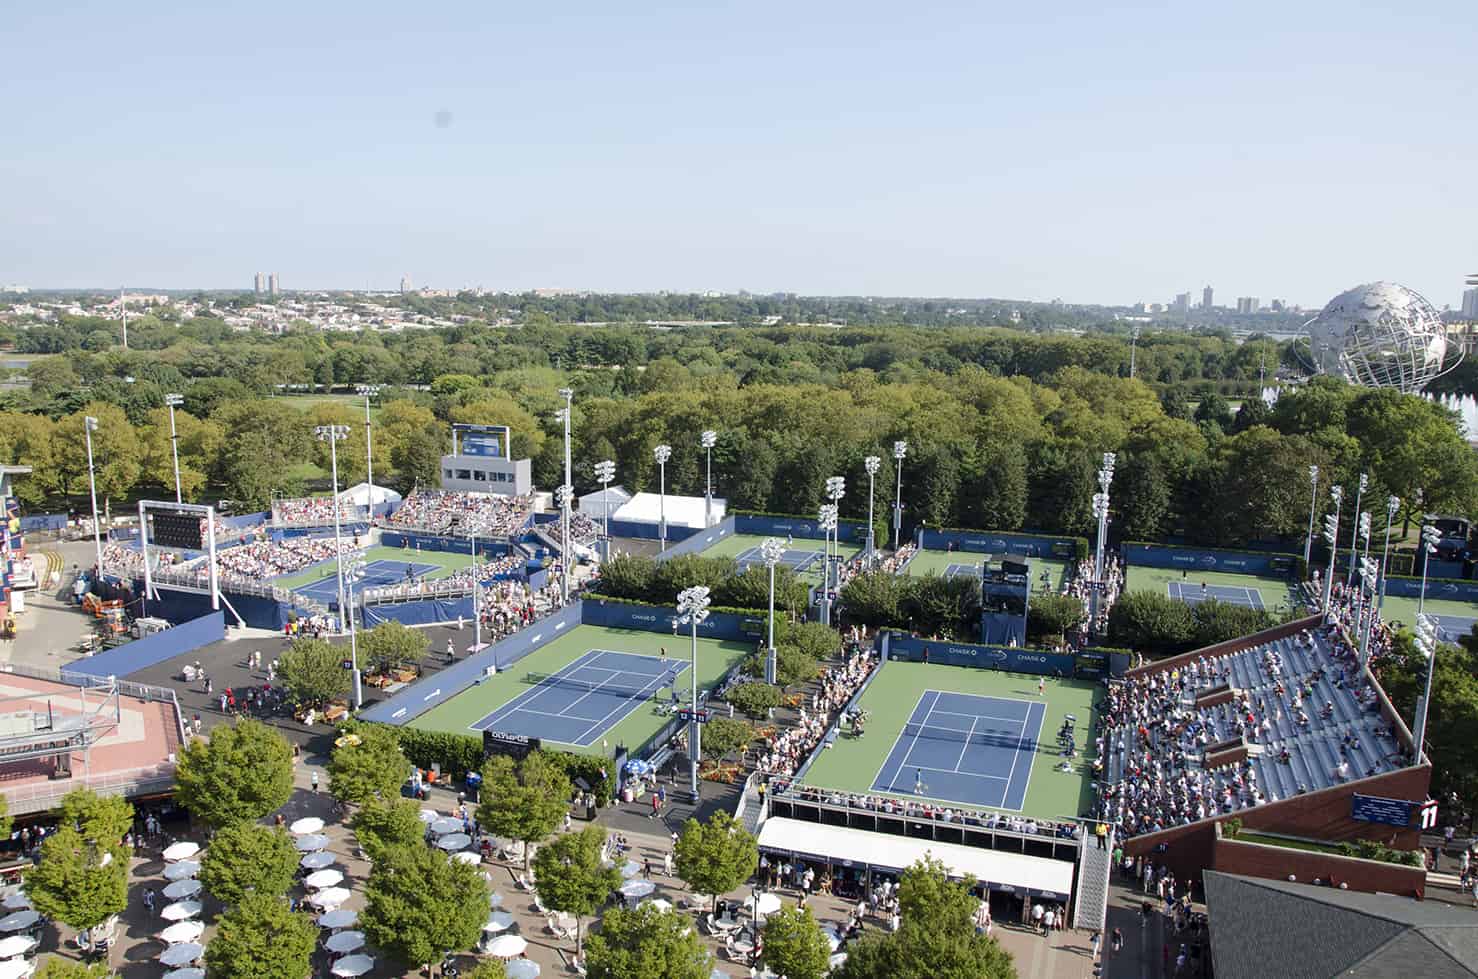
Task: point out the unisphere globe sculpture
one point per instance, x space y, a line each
1380 335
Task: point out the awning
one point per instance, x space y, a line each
1016 873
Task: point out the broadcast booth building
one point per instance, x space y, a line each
482 461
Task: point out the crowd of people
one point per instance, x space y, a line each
508 606
984 819
265 558
315 511
463 514
782 756
584 530
1081 586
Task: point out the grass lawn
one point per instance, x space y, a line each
930 561
303 402
449 561
459 713
737 544
1272 591
851 764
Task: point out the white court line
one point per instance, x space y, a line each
964 748
913 744
983 717
953 771
1016 755
628 705
898 739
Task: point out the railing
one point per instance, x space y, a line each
128 688
43 796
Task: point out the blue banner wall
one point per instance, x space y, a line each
995 542
439 687
428 612
43 521
797 526
181 606
656 618
649 531
1208 559
700 541
121 661
911 648
1452 590
245 520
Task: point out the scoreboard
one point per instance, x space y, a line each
178 529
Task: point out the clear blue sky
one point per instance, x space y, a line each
1093 152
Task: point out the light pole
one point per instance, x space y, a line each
1369 580
827 519
1355 535
1393 503
900 449
1431 536
1313 505
692 607
1426 644
333 435
872 464
1133 343
836 488
662 453
368 391
564 495
605 471
708 440
1101 511
771 550
89 425
1331 537
173 401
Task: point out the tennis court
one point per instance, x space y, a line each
965 748
584 700
1454 619
376 573
952 563
1194 594
796 559
539 696
920 716
803 555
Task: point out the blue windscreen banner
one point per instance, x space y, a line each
1459 590
700 541
998 542
125 660
1261 563
912 648
430 611
775 525
43 521
656 618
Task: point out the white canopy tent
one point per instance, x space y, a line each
359 495
1013 872
594 504
682 511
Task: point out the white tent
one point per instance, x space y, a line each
359 495
682 511
594 504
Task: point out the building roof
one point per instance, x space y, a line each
681 511
595 503
1262 928
359 495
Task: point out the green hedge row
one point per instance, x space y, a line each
750 612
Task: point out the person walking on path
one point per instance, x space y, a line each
314 780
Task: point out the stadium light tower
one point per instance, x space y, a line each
173 401
900 449
564 494
1393 503
333 435
662 453
368 391
708 440
605 471
827 519
836 488
1331 537
772 550
1101 511
1431 536
1369 581
89 425
692 607
1426 644
1355 534
1313 505
872 464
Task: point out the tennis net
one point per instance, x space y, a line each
625 685
963 737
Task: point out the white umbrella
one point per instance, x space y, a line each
469 857
637 888
316 860
182 850
838 959
338 918
13 945
183 870
345 941
181 889
16 968
311 842
495 899
522 969
19 921
182 931
498 921
429 815
446 824
353 965
453 842
188 972
506 946
182 954
323 878
659 903
630 868
16 902
832 938
180 910
330 897
769 902
308 824
717 973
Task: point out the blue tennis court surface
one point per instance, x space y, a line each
1451 628
585 699
376 573
795 560
965 748
962 570
1192 593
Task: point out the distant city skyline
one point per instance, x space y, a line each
942 150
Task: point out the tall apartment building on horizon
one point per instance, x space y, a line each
272 289
1470 303
259 284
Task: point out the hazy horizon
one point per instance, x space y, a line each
1100 156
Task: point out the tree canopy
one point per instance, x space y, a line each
261 938
248 858
420 905
646 942
524 801
368 765
717 856
244 772
572 876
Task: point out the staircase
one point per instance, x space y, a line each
1094 867
751 811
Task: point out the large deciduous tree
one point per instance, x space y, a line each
717 856
524 802
572 876
795 946
382 824
261 938
244 772
368 765
248 858
646 942
420 905
312 672
82 877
